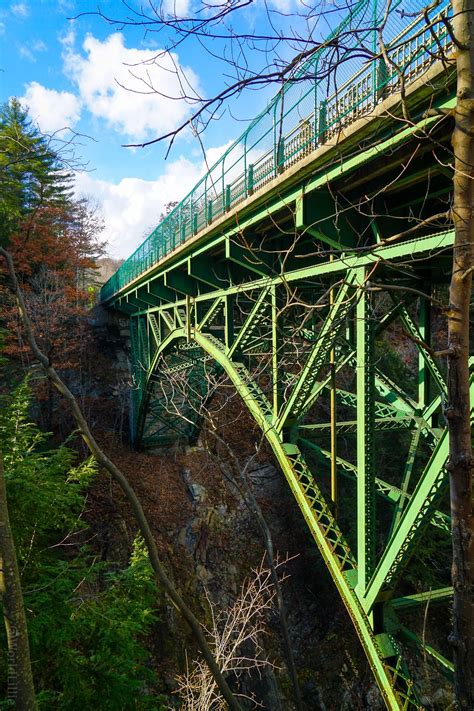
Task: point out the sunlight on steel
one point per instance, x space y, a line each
291 327
304 115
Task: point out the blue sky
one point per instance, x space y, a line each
68 71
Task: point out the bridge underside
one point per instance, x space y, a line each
322 302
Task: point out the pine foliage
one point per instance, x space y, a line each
31 171
87 620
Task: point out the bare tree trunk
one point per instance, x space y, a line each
460 464
118 476
253 506
49 407
20 679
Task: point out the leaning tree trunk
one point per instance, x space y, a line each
254 507
20 679
460 465
133 500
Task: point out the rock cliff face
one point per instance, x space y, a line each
223 542
211 544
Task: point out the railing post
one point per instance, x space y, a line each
227 198
276 135
374 62
209 212
245 161
281 155
195 224
383 75
315 111
223 184
180 225
250 180
322 122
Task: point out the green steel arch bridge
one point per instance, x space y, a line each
319 238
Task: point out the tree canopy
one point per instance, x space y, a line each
53 235
32 173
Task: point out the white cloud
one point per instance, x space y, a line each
20 9
213 154
39 46
29 51
67 5
132 207
25 52
51 109
109 66
67 39
178 8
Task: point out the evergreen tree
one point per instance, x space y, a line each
32 174
41 223
86 619
54 239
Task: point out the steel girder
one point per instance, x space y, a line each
286 388
303 337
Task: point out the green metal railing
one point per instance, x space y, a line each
342 82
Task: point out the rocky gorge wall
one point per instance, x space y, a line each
211 543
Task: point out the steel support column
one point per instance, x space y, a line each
365 437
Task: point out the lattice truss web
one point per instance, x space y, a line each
312 277
351 402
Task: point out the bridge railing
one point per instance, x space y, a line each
355 69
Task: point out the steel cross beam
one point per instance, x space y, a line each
343 304
365 407
172 341
184 338
290 296
389 492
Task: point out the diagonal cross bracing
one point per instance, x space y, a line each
319 355
417 515
183 317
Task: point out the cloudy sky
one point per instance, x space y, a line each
76 75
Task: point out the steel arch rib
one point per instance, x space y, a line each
324 529
282 453
162 347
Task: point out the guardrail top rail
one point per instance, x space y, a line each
339 84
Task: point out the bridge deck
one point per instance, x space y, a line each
248 174
293 287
